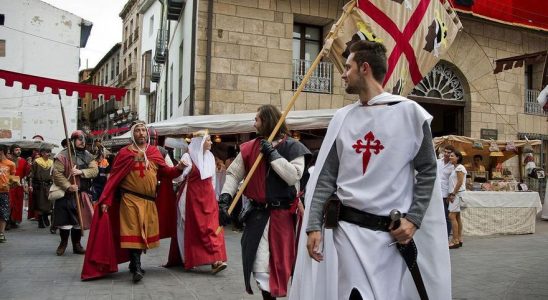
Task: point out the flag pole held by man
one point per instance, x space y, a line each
377 156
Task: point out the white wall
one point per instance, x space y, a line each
54 54
180 32
148 42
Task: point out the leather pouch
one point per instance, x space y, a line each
331 212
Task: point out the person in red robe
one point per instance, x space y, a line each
197 243
17 193
117 233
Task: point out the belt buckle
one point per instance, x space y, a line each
275 204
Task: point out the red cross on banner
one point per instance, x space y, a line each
415 34
141 168
370 144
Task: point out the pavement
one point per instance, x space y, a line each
494 267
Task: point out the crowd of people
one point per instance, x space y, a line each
133 201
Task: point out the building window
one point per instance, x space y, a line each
2 19
440 83
533 86
151 26
171 90
2 48
146 69
106 74
307 43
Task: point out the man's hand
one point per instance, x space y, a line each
405 232
224 203
76 172
181 165
269 151
313 245
300 208
30 189
104 208
73 188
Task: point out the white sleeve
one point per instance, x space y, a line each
291 172
234 175
185 158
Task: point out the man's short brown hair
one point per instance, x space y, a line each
372 53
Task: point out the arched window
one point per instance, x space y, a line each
441 83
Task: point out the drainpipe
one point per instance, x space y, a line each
193 62
208 56
166 100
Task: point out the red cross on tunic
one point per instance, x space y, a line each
377 147
141 168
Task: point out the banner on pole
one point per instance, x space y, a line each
416 34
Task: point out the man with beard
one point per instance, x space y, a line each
84 168
377 158
130 217
268 241
17 192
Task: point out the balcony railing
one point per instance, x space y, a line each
161 46
532 106
156 72
321 80
136 34
131 71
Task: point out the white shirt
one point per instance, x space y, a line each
444 171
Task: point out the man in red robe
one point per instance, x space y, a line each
17 192
135 220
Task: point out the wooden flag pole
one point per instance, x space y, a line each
307 76
69 151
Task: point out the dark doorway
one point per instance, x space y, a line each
448 117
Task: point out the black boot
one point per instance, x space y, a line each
64 241
45 220
267 296
75 236
135 265
41 221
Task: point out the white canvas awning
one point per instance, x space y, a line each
237 123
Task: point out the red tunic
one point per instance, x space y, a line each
103 249
17 193
202 245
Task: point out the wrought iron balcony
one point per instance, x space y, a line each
131 71
156 72
174 9
321 80
532 106
161 46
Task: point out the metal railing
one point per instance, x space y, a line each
156 72
161 46
321 80
532 106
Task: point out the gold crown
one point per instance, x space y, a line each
199 133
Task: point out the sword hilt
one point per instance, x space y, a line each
395 216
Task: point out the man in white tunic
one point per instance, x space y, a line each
377 156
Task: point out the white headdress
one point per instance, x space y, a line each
204 160
132 130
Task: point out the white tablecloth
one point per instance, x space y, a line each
487 213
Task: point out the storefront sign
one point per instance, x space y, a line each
488 134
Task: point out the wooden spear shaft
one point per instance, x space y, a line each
69 151
288 108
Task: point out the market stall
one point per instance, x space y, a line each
496 202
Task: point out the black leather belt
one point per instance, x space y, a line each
146 197
271 205
364 219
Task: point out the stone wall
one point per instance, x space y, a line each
252 54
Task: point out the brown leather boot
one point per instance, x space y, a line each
64 242
75 236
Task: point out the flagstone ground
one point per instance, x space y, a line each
495 267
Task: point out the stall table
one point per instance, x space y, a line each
486 213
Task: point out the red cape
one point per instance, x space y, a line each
103 252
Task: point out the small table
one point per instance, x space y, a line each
486 213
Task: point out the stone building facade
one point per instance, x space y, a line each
253 62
